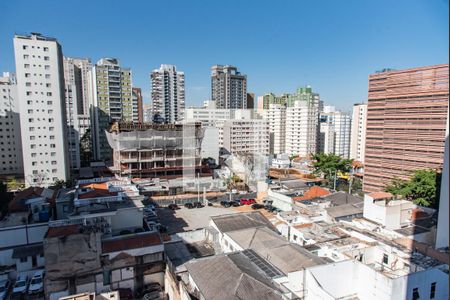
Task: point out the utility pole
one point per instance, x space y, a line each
334 180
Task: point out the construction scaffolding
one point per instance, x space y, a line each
156 150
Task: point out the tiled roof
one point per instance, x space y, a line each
380 195
97 193
97 186
131 242
62 231
18 203
313 192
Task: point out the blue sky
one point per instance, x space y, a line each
281 45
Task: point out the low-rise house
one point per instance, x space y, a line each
101 241
219 225
239 275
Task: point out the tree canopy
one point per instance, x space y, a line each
324 164
422 188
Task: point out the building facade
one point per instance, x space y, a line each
168 93
406 123
302 126
244 136
40 83
138 108
156 150
77 106
10 141
276 116
228 87
358 134
335 128
110 86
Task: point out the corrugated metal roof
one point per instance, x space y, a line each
231 222
229 277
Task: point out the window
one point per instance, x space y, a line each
47 67
415 294
433 290
385 259
24 47
46 58
46 49
27 66
23 259
25 56
106 277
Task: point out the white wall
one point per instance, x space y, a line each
127 218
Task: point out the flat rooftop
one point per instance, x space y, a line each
189 219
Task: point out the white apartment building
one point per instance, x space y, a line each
40 83
334 132
358 132
207 116
276 116
302 124
77 105
168 93
244 136
224 125
10 142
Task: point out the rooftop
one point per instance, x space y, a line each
241 277
341 198
287 257
380 195
245 220
344 210
313 192
133 241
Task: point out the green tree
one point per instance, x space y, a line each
422 188
326 164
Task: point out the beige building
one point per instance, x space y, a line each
358 134
406 123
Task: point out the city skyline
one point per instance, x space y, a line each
339 56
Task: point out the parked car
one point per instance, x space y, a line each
225 203
235 203
245 201
173 206
189 205
4 288
210 204
257 206
198 205
37 283
21 285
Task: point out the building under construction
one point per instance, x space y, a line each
156 150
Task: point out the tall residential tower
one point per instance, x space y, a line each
168 93
358 135
40 83
10 141
77 106
111 101
228 87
